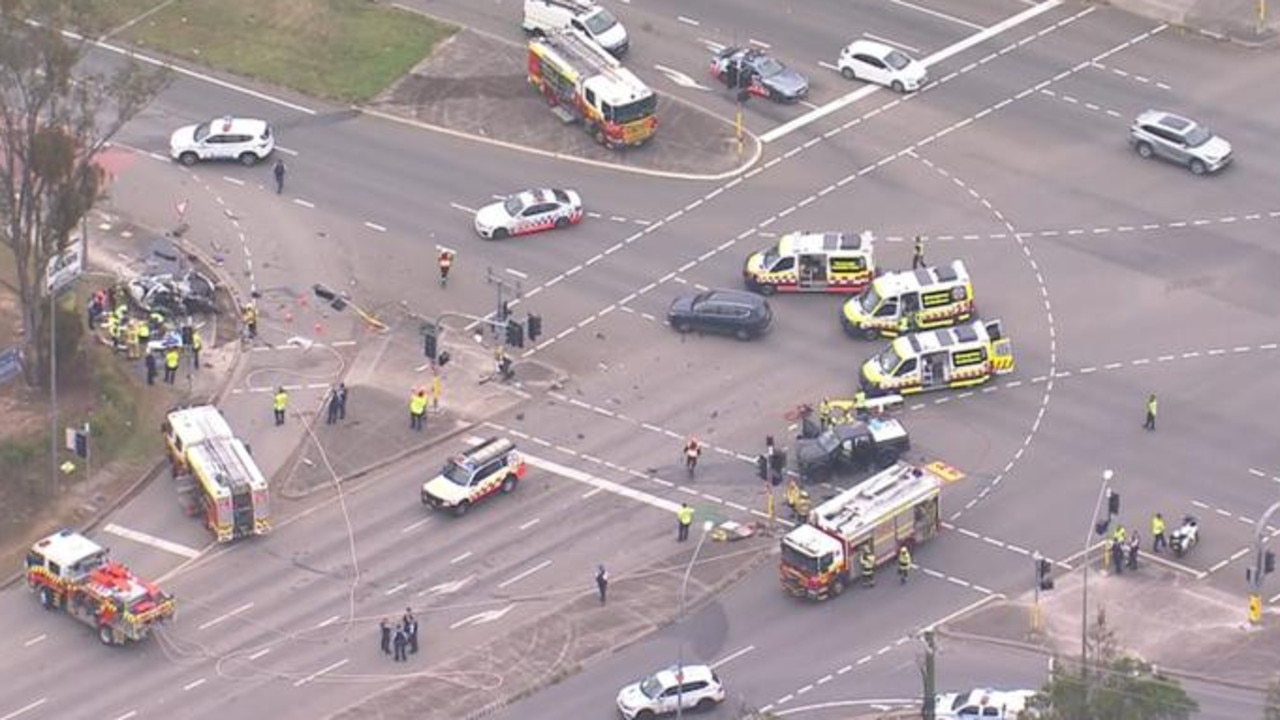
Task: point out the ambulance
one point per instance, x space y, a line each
812 262
902 302
961 356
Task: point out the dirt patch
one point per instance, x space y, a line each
477 84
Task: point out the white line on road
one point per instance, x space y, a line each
415 526
608 485
461 557
732 656
195 684
828 66
688 20
531 523
226 616
463 208
374 226
322 671
525 574
128 715
759 43
153 541
937 14
260 653
287 151
396 588
25 708
895 43
233 181
34 640
303 203
328 621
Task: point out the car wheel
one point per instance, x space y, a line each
188 158
248 159
509 484
644 715
767 289
897 87
681 326
1198 167
1144 149
46 598
742 334
461 508
562 222
870 333
107 635
837 587
500 234
705 705
848 73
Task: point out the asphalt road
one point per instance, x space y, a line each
1115 277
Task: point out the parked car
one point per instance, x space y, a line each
759 74
881 64
742 314
695 687
246 140
983 703
1158 133
528 212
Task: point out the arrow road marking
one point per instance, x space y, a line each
680 78
446 588
481 618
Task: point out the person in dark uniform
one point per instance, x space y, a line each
398 643
602 582
411 630
385 627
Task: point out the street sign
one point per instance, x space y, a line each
65 267
10 364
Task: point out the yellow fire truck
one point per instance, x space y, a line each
902 302
960 356
582 82
71 573
897 506
812 262
215 474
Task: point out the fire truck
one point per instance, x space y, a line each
896 506
582 82
71 573
215 475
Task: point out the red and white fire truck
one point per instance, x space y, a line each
71 573
582 82
215 475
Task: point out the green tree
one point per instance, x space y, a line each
1272 710
57 113
1113 687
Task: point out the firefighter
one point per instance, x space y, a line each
684 518
860 404
1158 540
197 344
867 566
386 636
249 315
445 261
1150 424
797 500
171 365
692 450
278 403
417 409
904 563
824 413
131 340
144 336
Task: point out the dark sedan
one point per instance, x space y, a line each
743 315
759 74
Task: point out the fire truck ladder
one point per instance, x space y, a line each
230 474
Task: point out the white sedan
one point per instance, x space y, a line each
881 64
527 212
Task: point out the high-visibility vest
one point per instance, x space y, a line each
144 332
1151 406
418 404
1119 535
1157 526
280 399
196 342
685 515
904 558
171 359
867 562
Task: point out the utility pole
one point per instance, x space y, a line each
1104 491
505 288
1264 562
929 709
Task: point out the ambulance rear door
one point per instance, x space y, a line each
1001 348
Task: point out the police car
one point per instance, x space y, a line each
225 138
527 212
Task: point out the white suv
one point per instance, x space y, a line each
696 687
1184 141
227 138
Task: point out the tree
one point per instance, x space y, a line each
1272 710
56 115
1113 687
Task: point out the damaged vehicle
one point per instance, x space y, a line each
189 292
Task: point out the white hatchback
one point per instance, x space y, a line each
881 64
226 138
693 687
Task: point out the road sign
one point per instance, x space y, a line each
10 364
65 267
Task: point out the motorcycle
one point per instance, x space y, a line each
1185 537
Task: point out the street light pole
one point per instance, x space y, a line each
1084 593
684 588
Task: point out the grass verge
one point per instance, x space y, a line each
342 50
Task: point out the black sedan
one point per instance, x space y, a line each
743 315
759 74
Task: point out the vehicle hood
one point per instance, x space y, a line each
492 215
613 38
788 82
1216 148
444 489
183 137
681 306
630 697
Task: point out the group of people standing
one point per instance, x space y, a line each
133 335
402 640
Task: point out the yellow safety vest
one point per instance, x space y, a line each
685 515
196 342
1151 406
171 359
1157 526
144 332
904 558
418 404
280 399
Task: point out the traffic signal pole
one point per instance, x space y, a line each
1264 563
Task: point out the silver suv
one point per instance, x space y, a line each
1184 141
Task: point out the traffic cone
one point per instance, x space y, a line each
288 316
319 329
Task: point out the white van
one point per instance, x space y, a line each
597 23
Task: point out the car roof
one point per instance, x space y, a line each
228 124
1166 119
541 195
740 297
871 46
692 673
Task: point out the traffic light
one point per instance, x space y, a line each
762 467
777 463
1044 570
1268 562
515 334
429 341
535 327
1113 503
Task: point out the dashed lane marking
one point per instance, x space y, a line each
1130 76
35 640
226 616
322 671
1085 104
526 573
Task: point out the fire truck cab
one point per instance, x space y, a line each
960 356
583 83
215 475
71 573
902 302
897 506
812 262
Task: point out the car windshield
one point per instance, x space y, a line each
651 687
632 111
896 60
888 360
513 205
202 131
600 21
1198 135
768 67
828 441
870 299
456 474
768 258
800 561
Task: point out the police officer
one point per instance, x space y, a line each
1150 424
398 644
602 582
684 518
867 566
151 368
386 636
411 630
1158 540
171 365
144 335
278 404
917 257
904 563
417 409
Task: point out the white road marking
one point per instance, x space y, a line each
226 616
481 618
287 151
35 640
303 203
303 681
233 181
732 656
607 485
153 541
328 621
895 43
937 14
460 558
531 523
680 78
447 588
374 226
396 588
25 708
128 715
415 526
195 684
260 653
759 43
463 208
523 575
688 20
